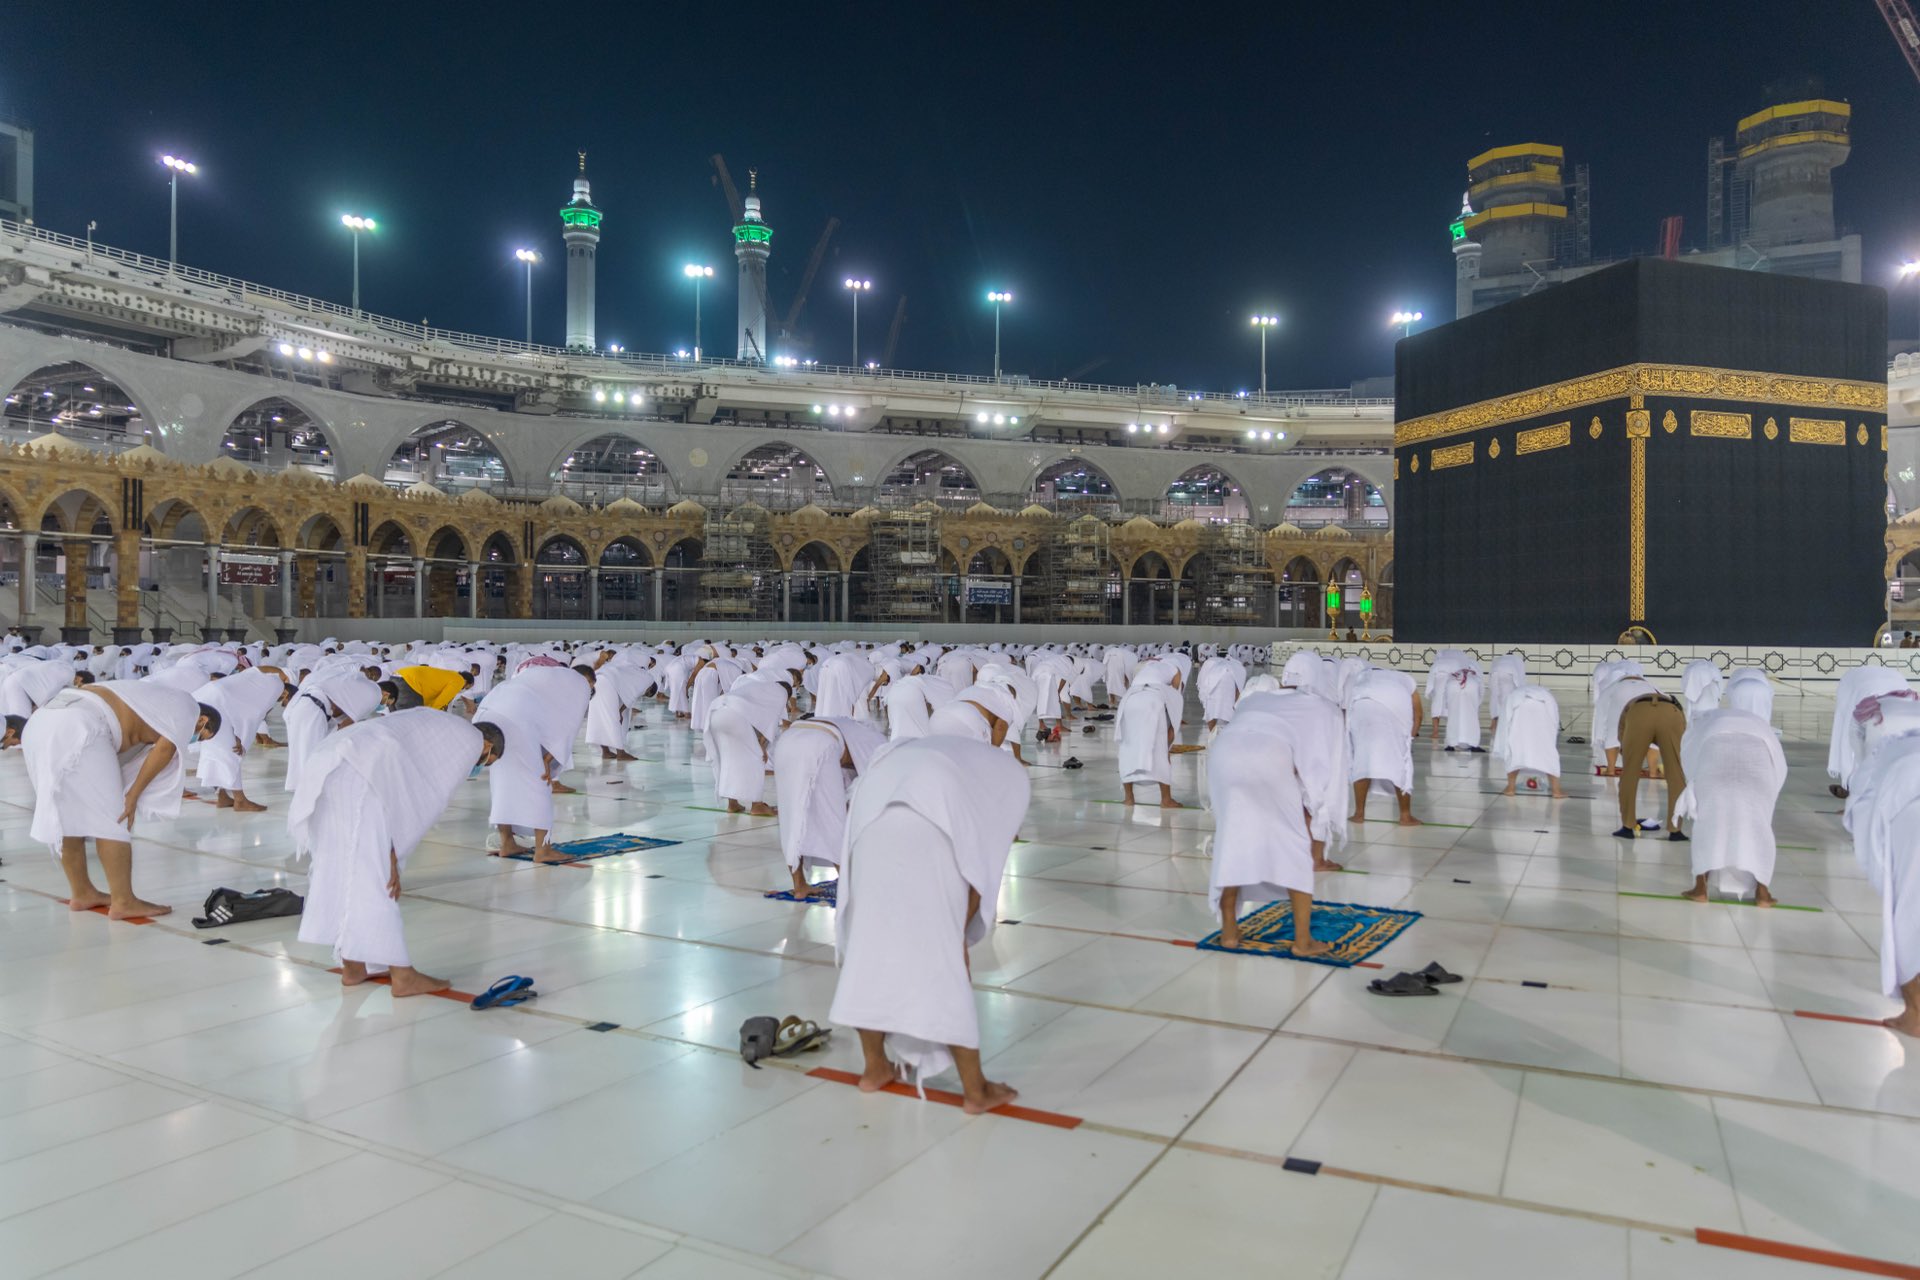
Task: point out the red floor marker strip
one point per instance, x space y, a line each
1838 1017
1052 1119
1801 1253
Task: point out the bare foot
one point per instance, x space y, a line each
135 909
352 973
872 1082
1762 898
994 1095
244 805
562 789
1171 803
507 849
625 755
224 802
547 856
1907 1024
88 902
411 982
1230 935
1357 817
189 795
1411 821
1509 791
1695 895
761 809
1312 947
1558 794
1324 865
734 806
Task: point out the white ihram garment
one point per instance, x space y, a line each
1855 687
243 700
1507 674
310 716
1261 844
1149 711
1701 685
844 678
1380 728
81 776
1528 739
911 701
1316 731
370 793
1886 841
1750 690
737 724
918 839
1735 770
1219 684
1119 662
540 711
810 787
32 684
1463 709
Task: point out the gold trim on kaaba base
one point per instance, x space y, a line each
1453 455
1681 381
1538 439
1718 425
1816 431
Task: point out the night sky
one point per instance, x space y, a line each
1142 177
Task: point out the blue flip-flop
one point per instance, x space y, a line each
506 993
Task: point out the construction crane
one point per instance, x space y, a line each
725 182
1905 28
893 333
806 277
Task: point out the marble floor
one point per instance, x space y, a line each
1622 1076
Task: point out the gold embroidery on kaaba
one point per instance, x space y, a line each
1883 437
1637 402
1416 464
1676 381
1557 436
1772 429
1639 429
1861 434
1669 423
1639 424
1396 468
1720 426
1816 431
1453 455
1593 429
1493 447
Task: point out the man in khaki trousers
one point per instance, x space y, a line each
1653 719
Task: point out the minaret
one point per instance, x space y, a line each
752 246
580 228
1466 260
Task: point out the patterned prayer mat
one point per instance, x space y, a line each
1356 932
827 897
600 847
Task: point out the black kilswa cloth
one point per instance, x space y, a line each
230 906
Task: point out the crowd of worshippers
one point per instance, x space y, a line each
878 755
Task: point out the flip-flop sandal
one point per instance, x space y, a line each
1402 984
1437 974
506 993
798 1035
1648 824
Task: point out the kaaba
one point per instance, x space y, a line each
1693 454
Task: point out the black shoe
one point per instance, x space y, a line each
1625 833
1679 837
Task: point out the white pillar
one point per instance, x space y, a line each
473 588
786 596
846 596
213 581
1016 600
659 594
29 585
593 593
419 588
1176 602
286 585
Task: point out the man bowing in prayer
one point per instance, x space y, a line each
1149 724
98 758
540 710
814 765
1261 840
367 797
919 886
1734 770
1885 821
243 700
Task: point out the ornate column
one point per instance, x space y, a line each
593 593
126 587
419 587
356 582
213 582
846 595
286 584
473 588
786 597
659 594
1016 600
308 569
520 591
74 629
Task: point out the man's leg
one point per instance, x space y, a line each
243 805
544 852
1320 862
1406 809
1126 790
1668 727
1304 943
1360 790
1636 734
1230 916
801 889
1699 891
1512 775
1558 794
1166 798
981 1094
116 861
879 1072
508 845
1907 1021
81 895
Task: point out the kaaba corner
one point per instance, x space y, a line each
1694 452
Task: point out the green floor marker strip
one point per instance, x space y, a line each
1718 902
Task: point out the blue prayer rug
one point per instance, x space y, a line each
599 847
1354 931
828 895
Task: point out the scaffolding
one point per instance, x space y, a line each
1074 573
905 551
1236 588
738 568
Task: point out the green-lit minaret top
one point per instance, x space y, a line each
752 246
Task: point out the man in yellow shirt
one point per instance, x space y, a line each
425 687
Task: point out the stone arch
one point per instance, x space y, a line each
920 473
743 475
813 583
825 552
73 507
1337 494
680 564
280 431
1149 588
447 542
1056 484
77 399
560 586
250 527
593 432
499 575
178 519
1207 491
614 465
390 538
626 585
624 551
448 453
1302 601
321 532
562 550
1383 597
